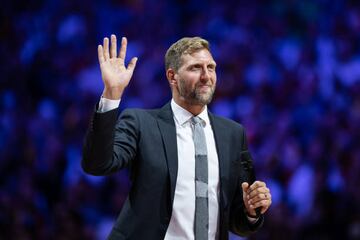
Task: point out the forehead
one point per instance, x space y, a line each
201 56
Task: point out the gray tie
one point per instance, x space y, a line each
201 181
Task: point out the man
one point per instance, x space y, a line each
189 170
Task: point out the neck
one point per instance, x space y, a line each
194 109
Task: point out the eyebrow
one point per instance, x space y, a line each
213 63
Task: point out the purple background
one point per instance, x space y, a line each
289 71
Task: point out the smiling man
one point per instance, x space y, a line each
190 179
192 75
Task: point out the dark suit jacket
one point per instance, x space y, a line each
144 141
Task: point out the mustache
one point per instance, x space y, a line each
203 85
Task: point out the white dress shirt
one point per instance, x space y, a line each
181 225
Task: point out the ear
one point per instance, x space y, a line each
171 76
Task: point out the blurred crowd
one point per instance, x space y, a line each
289 71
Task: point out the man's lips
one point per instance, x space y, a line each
204 86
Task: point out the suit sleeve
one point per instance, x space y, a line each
110 142
239 223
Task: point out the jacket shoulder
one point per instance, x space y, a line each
141 112
226 122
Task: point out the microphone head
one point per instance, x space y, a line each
248 172
247 167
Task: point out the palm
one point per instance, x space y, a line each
113 71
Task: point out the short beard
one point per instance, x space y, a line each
193 96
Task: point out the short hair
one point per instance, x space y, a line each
186 45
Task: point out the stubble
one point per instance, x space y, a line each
195 96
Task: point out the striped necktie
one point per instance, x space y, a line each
201 181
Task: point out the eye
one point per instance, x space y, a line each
195 67
211 67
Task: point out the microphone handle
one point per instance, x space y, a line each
249 173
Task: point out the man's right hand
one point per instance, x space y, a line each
113 71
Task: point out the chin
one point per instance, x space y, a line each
205 100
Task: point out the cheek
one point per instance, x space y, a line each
190 80
214 78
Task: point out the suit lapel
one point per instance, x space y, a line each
221 141
168 132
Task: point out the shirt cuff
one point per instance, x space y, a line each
252 220
106 105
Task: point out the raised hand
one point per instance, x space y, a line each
114 74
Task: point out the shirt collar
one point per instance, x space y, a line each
182 115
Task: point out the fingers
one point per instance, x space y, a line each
107 53
104 54
132 64
256 188
257 195
265 207
106 49
257 191
259 198
263 204
245 186
113 48
257 184
101 54
122 53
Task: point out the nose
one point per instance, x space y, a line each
205 75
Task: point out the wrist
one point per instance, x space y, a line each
112 93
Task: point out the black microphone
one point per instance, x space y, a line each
248 172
